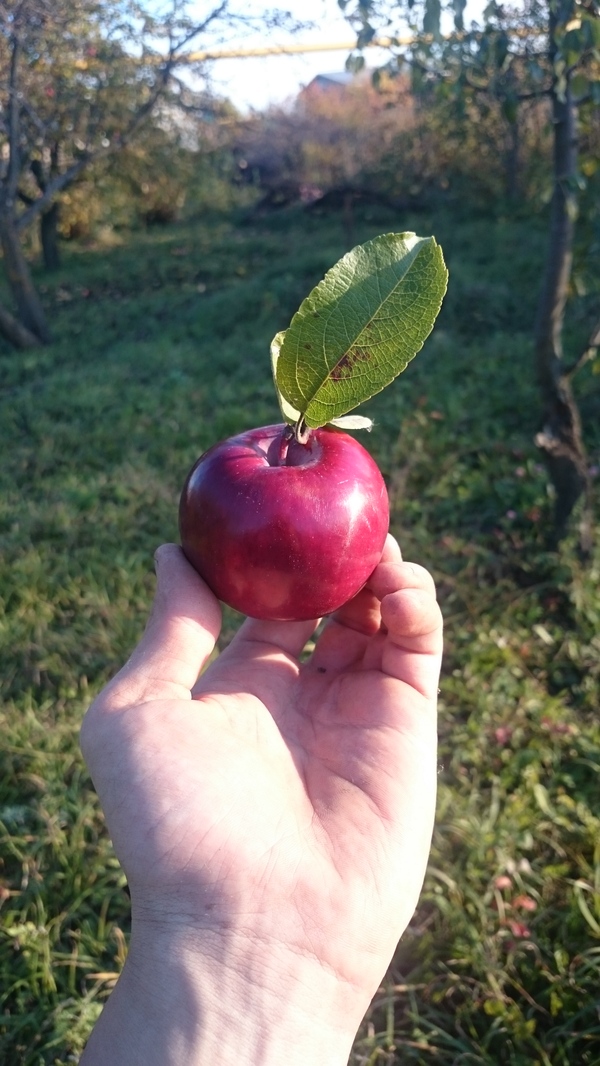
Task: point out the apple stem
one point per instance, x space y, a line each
284 441
301 431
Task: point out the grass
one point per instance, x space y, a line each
161 347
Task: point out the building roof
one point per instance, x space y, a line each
336 78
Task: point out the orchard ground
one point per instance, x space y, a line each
161 348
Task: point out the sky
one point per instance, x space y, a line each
257 82
254 83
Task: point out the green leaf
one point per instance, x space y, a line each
579 86
290 414
431 17
355 63
353 422
585 910
542 799
502 46
459 8
560 88
510 109
361 325
365 35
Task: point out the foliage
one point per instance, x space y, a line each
337 351
162 348
552 51
156 180
79 81
88 76
493 79
387 139
323 139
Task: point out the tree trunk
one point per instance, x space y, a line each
348 215
15 333
512 108
513 162
30 311
49 237
560 437
49 215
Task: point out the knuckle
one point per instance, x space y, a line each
420 575
412 611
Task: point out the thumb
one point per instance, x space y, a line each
179 637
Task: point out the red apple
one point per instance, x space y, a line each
283 530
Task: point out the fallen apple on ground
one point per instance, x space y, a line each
283 529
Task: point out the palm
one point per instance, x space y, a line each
280 802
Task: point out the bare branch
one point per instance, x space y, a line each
200 27
33 115
535 94
53 188
14 165
589 353
179 37
163 79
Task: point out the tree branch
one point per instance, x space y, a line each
14 168
52 188
535 94
90 156
589 353
33 115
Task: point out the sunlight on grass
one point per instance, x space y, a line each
156 356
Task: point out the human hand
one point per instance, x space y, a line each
273 819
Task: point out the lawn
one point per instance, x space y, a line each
161 347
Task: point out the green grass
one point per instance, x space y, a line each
161 347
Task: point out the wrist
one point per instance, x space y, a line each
189 1001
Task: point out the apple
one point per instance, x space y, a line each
281 529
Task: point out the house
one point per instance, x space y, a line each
333 84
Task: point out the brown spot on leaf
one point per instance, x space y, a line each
346 364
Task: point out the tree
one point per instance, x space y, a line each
495 80
326 139
574 50
79 79
554 53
